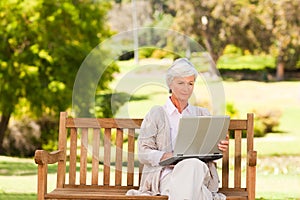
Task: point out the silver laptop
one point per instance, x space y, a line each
198 137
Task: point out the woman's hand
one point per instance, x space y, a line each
166 155
223 145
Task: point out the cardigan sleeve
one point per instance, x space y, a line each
148 149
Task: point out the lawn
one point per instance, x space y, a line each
278 167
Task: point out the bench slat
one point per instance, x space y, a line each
237 158
83 156
107 151
103 123
238 124
95 158
73 155
62 143
91 193
225 169
235 193
119 154
130 163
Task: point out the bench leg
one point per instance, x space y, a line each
42 181
251 180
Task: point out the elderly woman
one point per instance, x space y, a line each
191 178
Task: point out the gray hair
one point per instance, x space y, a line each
181 67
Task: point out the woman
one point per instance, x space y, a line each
190 178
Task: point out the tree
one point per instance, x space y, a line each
217 23
282 19
42 46
258 26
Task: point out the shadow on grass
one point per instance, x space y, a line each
267 74
21 168
27 169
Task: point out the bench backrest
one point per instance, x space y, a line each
104 150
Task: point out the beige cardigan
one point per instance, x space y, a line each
153 141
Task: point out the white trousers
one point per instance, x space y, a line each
187 181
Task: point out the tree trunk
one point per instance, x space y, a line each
280 71
3 127
214 57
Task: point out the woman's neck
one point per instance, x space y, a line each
180 105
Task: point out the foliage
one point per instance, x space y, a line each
232 50
217 23
23 138
48 132
269 27
281 18
266 121
146 52
158 53
120 16
253 62
261 26
232 111
42 46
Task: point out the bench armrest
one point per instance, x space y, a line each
43 157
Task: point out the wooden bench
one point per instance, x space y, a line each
108 167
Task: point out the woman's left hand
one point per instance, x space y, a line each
223 145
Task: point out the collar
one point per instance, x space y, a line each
170 107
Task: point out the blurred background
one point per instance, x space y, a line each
251 46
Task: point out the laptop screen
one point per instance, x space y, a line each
201 134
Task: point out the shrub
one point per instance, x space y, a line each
146 52
22 138
26 135
231 110
232 49
49 132
266 121
158 53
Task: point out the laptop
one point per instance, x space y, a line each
198 137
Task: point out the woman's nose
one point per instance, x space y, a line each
186 87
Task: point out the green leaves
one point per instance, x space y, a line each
43 44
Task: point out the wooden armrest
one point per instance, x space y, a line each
252 158
42 157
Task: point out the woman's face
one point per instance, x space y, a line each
182 87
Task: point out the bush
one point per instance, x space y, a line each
22 138
26 135
266 121
231 110
232 50
159 54
146 52
49 132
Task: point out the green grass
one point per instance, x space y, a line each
279 187
17 196
252 62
